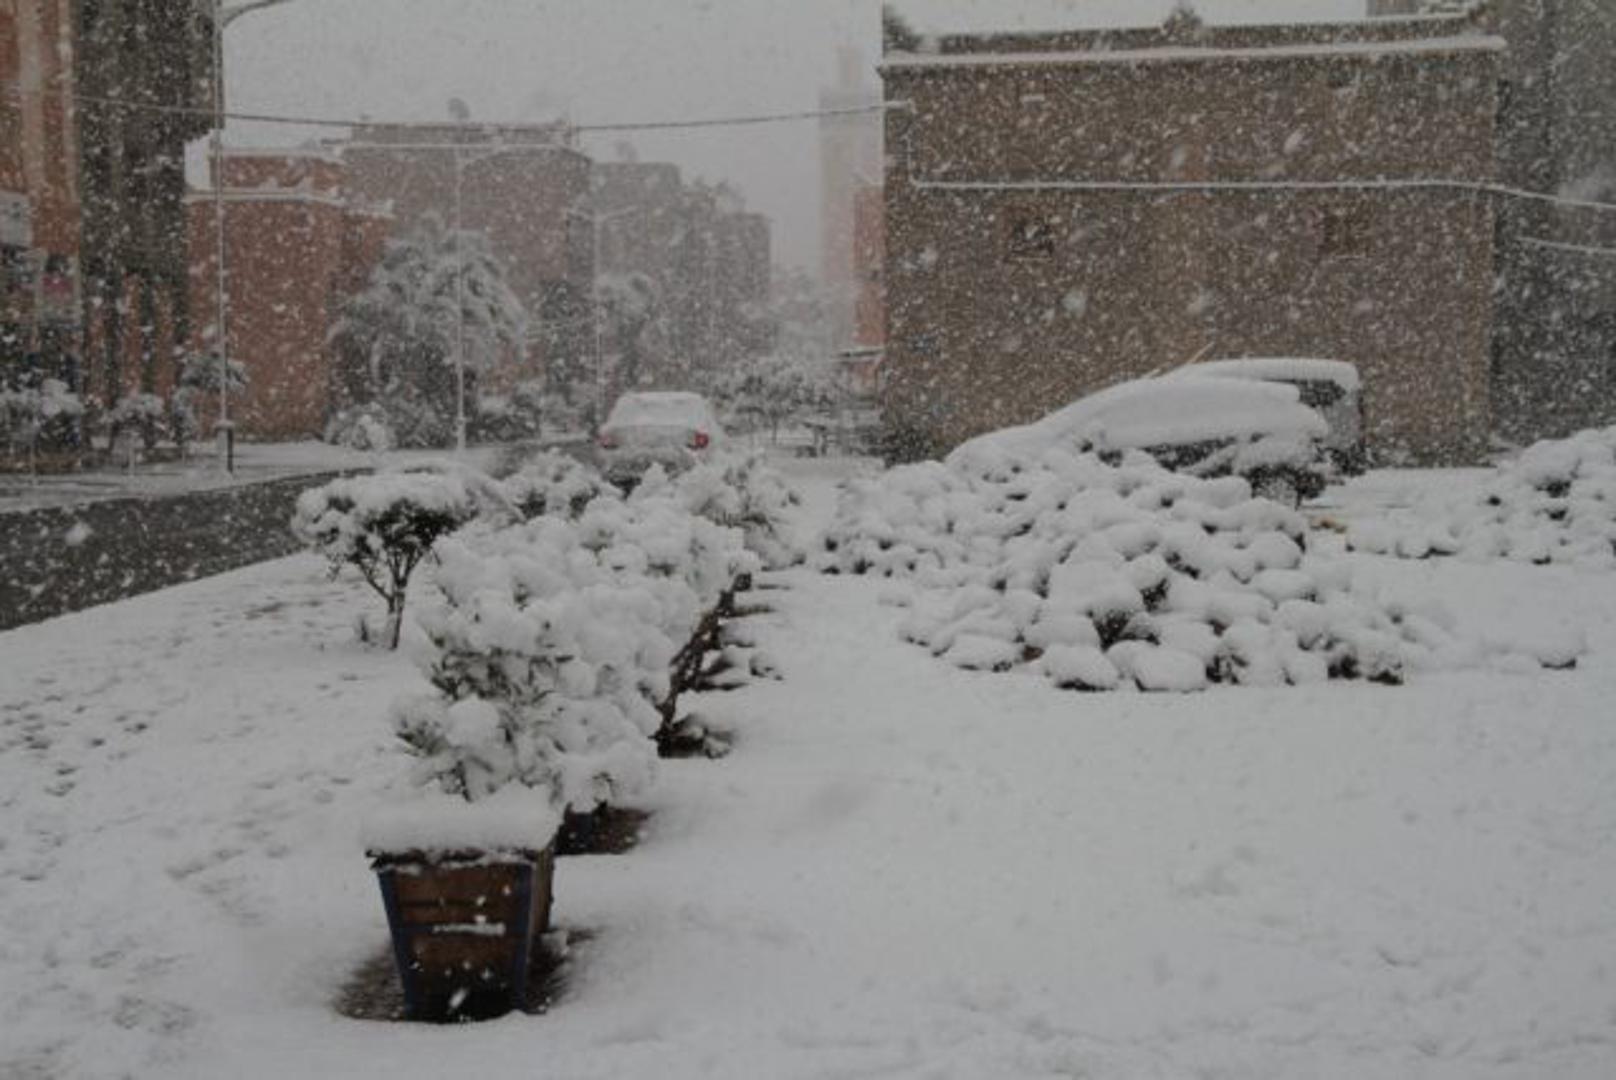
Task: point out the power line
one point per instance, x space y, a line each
1169 186
15 90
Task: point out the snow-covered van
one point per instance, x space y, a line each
1207 427
673 429
1331 387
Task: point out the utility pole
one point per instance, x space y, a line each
220 327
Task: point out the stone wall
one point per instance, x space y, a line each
62 559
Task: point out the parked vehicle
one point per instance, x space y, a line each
1331 387
1207 427
673 429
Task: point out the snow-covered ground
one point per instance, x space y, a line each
904 870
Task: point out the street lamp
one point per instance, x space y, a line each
595 219
220 17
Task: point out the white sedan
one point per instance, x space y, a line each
674 429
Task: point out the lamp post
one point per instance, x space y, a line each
595 219
220 16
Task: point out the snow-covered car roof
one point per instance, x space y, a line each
1148 413
660 407
1278 369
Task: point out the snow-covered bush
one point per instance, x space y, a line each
510 417
1556 503
553 647
744 492
362 427
552 483
141 413
383 526
27 414
1101 577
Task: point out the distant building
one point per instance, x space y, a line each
298 244
1067 210
869 266
850 166
706 256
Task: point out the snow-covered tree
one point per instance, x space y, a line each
384 525
768 391
432 291
631 311
200 376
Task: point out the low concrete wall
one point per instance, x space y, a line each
67 558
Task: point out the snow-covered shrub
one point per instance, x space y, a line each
29 413
1100 576
510 417
552 483
141 413
1556 503
553 645
743 492
383 526
362 427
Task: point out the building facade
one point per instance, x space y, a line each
1065 211
1554 361
297 245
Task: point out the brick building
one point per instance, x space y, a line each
869 266
297 245
1072 209
39 202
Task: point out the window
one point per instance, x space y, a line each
1344 232
1031 237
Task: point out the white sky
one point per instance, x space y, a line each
628 60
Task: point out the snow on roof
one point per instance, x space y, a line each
1277 369
1147 413
658 406
1192 53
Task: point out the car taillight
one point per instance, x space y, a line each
699 440
608 441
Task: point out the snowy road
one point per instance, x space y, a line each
905 870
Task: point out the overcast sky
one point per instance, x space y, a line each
610 61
